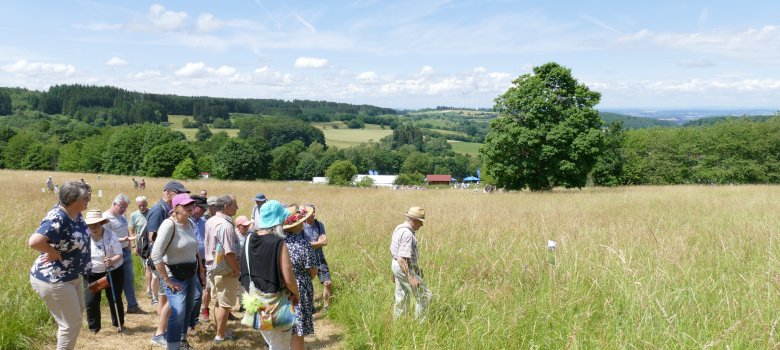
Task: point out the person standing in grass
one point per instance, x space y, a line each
304 266
117 222
136 226
220 230
314 231
63 242
107 259
407 274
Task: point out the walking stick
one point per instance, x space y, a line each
113 294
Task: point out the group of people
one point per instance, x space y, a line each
198 254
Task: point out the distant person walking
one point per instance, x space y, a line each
142 184
407 274
117 222
49 184
314 231
63 242
107 259
135 184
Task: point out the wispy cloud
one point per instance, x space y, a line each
696 63
599 23
310 62
166 20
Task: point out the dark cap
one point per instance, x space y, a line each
175 186
200 201
260 197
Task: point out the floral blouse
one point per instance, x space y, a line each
71 239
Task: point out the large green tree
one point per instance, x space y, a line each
238 160
341 173
547 133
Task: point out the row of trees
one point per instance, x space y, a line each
117 106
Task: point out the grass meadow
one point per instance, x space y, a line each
176 124
674 267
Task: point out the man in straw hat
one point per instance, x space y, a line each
406 273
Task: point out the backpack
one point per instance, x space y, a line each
142 245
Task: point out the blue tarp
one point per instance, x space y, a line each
470 178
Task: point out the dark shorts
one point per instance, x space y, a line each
324 272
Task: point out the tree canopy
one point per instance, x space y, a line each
547 133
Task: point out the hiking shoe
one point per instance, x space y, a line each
159 340
154 301
134 310
204 316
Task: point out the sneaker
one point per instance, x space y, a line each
204 316
134 310
229 336
159 340
154 301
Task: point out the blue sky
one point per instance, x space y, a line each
400 54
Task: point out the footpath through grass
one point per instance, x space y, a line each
638 267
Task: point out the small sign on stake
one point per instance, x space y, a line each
551 252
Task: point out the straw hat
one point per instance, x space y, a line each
95 217
416 213
297 215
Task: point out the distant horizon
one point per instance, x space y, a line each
403 53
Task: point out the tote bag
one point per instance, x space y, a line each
265 311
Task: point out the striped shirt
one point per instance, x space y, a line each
404 243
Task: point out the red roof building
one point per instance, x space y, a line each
438 179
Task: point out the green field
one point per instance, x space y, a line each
471 148
344 137
655 267
176 124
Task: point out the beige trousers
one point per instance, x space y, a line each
65 301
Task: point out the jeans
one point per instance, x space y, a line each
181 303
65 301
93 300
128 285
195 312
404 292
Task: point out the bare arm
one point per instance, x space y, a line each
40 243
404 263
321 241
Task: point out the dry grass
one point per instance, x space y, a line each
638 267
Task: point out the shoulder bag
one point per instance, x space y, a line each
221 267
265 311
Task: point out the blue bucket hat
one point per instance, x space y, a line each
260 197
272 214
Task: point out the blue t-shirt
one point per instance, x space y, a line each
200 234
157 214
312 233
71 239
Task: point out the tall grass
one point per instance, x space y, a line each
639 267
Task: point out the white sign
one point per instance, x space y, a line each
551 244
100 193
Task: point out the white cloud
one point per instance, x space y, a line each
367 77
426 70
147 74
208 23
261 70
165 20
22 67
204 74
752 43
310 62
116 62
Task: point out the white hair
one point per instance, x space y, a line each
141 199
121 198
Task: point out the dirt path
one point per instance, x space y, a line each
140 328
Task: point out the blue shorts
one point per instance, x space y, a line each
323 272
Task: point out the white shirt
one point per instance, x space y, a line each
117 225
112 248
